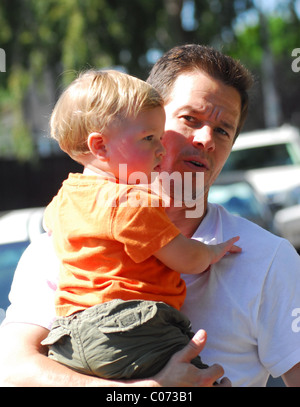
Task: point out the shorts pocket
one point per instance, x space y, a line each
127 316
56 334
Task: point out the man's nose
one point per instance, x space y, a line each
203 137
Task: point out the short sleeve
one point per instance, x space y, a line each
142 228
278 341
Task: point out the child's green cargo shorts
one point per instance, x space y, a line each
120 339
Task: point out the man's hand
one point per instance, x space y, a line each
23 363
180 372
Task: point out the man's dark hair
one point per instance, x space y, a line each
193 57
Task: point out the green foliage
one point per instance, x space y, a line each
48 41
246 46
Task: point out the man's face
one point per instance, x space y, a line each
202 116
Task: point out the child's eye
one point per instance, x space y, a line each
148 138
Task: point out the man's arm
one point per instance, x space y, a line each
292 377
23 362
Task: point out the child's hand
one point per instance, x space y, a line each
189 256
221 249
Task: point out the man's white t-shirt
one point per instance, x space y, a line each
248 303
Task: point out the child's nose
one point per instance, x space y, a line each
161 150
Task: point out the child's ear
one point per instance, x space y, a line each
96 144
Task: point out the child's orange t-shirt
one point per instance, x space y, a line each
105 235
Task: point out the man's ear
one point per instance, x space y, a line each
96 144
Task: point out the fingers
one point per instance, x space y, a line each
225 382
221 249
213 373
204 377
235 249
209 377
180 372
231 241
193 348
230 247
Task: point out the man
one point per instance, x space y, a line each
245 303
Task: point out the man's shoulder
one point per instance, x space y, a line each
220 214
233 225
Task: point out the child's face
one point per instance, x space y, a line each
138 145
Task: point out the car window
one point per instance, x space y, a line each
262 157
237 198
10 254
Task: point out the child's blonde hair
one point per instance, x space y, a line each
95 100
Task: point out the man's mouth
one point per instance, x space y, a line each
196 163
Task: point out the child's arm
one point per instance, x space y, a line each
193 257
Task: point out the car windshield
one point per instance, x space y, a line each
10 254
262 157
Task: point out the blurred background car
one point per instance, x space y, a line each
287 224
17 229
235 193
271 161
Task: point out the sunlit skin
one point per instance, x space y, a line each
136 143
201 122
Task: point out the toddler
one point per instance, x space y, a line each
119 295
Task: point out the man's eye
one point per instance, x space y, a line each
189 118
191 121
221 131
